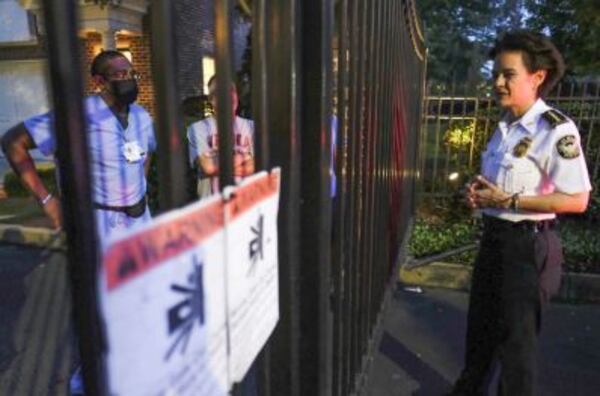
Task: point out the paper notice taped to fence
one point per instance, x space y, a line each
252 276
163 303
189 299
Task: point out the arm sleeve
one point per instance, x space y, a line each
567 168
251 134
197 135
151 138
41 130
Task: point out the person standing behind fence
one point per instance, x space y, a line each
203 141
120 137
532 169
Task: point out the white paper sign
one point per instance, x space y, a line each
164 306
253 284
190 298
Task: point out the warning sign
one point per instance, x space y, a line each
253 283
189 299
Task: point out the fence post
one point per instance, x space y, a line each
76 198
315 310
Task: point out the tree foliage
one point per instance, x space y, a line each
574 26
459 33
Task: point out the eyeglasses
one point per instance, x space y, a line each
128 74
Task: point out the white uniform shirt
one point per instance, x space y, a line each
203 138
117 158
117 154
525 157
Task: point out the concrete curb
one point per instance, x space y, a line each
575 287
32 236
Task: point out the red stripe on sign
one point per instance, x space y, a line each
246 196
133 256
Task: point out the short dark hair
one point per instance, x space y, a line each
538 54
213 79
100 62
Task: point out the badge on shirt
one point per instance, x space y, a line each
522 147
567 147
133 152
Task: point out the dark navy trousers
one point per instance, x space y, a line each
516 272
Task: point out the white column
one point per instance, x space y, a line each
109 41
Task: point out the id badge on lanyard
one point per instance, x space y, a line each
133 152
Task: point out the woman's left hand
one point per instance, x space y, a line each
488 195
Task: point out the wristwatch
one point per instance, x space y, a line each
514 202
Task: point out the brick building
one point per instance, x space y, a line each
111 24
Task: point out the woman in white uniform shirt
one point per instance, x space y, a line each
532 169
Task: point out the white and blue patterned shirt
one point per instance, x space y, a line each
117 154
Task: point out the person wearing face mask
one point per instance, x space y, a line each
532 169
120 137
204 148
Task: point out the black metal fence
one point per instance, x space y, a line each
457 125
338 241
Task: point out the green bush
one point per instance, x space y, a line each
14 187
440 227
428 239
581 246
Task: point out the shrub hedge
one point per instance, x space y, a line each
437 234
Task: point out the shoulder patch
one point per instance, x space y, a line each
554 117
567 147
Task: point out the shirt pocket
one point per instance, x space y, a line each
525 179
505 174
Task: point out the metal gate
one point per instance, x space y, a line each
337 252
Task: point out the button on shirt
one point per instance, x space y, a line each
117 154
522 157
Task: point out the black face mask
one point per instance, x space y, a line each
125 91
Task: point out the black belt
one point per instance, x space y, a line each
497 224
135 210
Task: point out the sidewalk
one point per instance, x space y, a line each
420 349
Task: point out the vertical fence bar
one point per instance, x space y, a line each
259 83
350 210
594 101
356 210
377 237
448 147
582 94
316 321
436 154
371 119
261 142
360 207
377 136
172 158
76 198
487 120
472 142
283 124
224 67
340 200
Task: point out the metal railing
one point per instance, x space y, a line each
337 251
456 128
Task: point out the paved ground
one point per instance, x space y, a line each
35 342
420 349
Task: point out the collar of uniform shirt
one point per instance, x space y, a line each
528 121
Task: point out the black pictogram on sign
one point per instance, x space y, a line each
255 249
181 317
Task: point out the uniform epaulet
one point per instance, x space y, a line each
555 117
